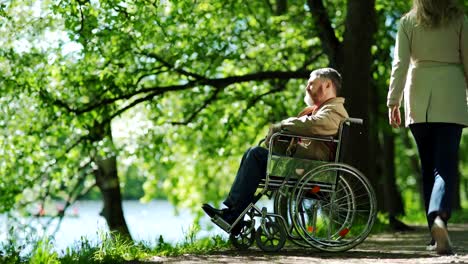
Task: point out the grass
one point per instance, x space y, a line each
111 249
114 249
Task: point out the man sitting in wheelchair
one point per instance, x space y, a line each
322 116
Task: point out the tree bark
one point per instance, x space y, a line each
353 59
414 163
281 7
107 181
330 43
392 200
358 39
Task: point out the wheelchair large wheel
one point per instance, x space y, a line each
333 207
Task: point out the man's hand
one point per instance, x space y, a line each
273 129
394 117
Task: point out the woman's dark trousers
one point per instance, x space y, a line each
438 145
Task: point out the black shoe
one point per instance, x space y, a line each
211 211
226 214
398 225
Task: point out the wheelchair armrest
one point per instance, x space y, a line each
278 135
352 120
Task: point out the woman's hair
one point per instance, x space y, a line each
435 13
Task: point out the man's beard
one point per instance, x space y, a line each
308 100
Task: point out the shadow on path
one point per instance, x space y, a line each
407 247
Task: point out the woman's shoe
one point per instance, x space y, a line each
440 234
431 245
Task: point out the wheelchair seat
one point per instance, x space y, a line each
287 170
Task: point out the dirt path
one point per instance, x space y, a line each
392 248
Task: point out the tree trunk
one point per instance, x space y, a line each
353 59
358 38
392 200
281 7
330 43
414 163
386 144
107 181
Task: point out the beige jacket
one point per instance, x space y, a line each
324 121
430 70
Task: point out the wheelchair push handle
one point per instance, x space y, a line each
261 141
352 120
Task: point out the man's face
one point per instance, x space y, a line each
315 88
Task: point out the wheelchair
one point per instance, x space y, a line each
327 205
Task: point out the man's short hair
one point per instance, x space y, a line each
329 73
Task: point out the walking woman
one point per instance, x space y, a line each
430 70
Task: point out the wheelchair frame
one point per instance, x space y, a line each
271 235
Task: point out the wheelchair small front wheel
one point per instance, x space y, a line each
245 238
270 237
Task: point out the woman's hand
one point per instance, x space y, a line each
394 117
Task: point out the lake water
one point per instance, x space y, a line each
146 222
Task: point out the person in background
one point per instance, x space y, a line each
430 70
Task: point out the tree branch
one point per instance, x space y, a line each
311 59
251 102
194 114
153 72
158 90
171 66
132 104
330 43
75 193
82 19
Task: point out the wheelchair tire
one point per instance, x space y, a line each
271 237
333 207
245 238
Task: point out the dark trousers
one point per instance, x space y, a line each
438 145
252 169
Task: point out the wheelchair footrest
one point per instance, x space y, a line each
221 223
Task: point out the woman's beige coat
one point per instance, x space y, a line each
430 68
